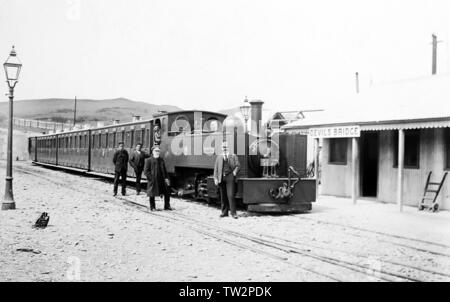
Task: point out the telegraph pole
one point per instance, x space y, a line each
75 112
434 54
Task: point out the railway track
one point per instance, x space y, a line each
293 253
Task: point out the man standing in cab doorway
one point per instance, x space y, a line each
137 161
120 161
158 183
226 168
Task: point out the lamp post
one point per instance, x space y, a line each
12 70
245 111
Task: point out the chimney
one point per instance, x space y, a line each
357 82
256 116
116 122
136 118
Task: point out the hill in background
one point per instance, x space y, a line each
61 110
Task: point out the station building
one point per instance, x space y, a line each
383 142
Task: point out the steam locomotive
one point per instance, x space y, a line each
272 177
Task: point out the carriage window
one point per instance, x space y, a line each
132 138
100 139
128 139
138 137
338 151
106 140
181 124
211 125
143 140
111 143
412 149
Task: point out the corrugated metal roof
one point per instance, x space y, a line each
417 103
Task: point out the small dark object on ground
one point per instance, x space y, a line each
42 221
27 250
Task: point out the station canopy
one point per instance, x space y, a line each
407 104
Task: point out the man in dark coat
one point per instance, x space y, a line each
226 168
137 161
157 179
120 161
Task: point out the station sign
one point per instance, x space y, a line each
335 132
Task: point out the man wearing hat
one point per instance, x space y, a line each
157 179
226 168
120 161
137 161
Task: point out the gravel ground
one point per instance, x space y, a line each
93 236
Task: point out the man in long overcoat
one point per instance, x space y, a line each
120 161
157 179
137 161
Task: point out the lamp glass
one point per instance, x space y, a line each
245 110
12 66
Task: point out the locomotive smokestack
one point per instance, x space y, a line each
116 122
136 118
256 116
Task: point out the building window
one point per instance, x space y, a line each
338 151
447 148
412 149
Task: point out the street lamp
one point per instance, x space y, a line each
12 70
245 111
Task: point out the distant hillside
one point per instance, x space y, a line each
61 110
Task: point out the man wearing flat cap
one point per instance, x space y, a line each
120 161
158 183
226 168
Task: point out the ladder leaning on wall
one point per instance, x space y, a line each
431 192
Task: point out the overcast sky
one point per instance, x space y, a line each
210 54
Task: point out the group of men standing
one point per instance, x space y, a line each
153 167
226 168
